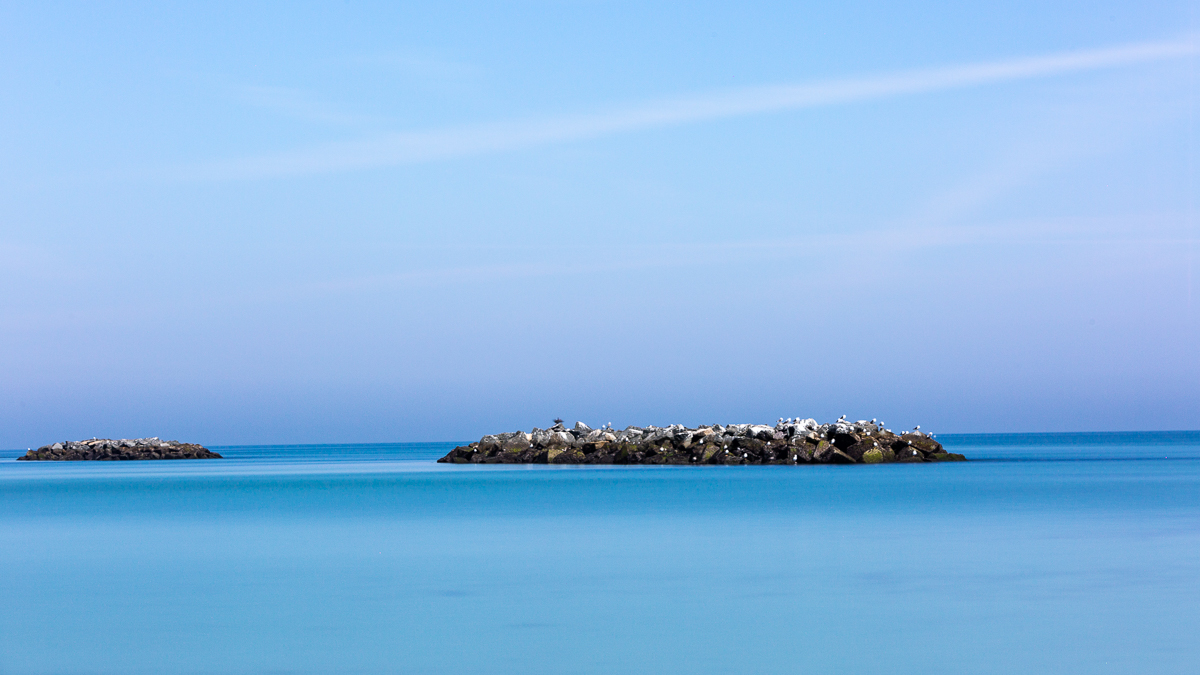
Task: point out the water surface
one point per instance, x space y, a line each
1046 554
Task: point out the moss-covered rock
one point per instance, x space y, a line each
873 456
568 456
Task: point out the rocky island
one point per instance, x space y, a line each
790 441
108 449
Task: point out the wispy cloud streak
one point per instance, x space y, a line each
422 146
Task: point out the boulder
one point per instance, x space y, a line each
518 441
760 431
840 457
823 452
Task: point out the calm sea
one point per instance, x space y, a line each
1054 553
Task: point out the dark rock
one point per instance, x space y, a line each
857 450
845 440
922 442
840 457
748 445
823 453
103 449
570 456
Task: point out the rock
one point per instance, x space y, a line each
518 441
566 456
857 450
104 449
748 445
844 439
874 456
823 452
840 457
922 442
792 442
761 432
552 439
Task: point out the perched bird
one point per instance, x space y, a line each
917 428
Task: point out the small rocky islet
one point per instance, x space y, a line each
791 442
110 449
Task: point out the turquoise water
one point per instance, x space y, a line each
1047 554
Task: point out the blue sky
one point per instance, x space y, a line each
427 221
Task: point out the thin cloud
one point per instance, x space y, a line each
438 144
298 104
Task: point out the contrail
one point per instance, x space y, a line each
423 146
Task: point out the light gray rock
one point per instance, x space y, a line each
760 431
517 441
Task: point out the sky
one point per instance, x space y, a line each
244 223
